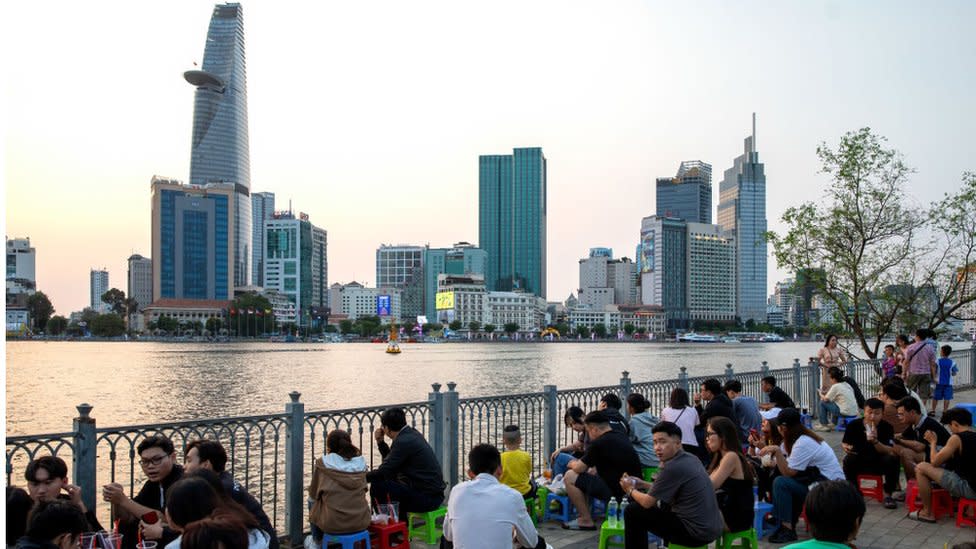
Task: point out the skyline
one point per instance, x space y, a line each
381 144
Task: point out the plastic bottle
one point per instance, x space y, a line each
612 512
623 507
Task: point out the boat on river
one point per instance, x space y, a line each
692 337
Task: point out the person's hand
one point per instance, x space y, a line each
572 463
378 434
872 435
625 484
553 457
931 437
151 531
114 493
74 492
770 450
848 448
899 437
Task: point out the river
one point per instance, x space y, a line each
142 382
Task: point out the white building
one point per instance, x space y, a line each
605 281
21 261
356 300
282 307
468 299
98 285
615 317
140 281
711 273
526 310
295 262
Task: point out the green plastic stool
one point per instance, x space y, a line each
541 496
676 546
532 506
649 472
728 539
428 531
607 531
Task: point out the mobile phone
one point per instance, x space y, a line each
753 433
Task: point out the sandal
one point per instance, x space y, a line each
575 525
916 515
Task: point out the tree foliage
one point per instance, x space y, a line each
56 325
456 325
40 309
489 328
115 299
511 327
600 330
474 326
108 325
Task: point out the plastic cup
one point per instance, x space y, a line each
391 510
89 540
146 545
380 518
109 540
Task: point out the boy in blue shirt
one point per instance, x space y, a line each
943 388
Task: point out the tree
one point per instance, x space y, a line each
474 326
511 328
115 299
345 326
883 261
582 331
214 325
629 329
330 329
600 330
641 330
489 328
168 324
562 328
40 310
108 325
456 325
56 325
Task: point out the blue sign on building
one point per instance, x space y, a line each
382 305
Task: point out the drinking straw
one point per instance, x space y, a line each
392 509
115 530
377 504
139 536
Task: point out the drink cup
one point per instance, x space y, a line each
144 544
109 540
547 473
380 518
89 540
391 510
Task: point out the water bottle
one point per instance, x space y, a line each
612 512
623 507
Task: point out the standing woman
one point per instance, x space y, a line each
731 474
830 355
902 342
680 412
641 423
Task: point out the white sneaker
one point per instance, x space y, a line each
310 543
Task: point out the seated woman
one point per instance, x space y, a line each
560 458
731 474
680 412
810 460
338 489
641 423
764 467
195 498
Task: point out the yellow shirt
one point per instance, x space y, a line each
516 470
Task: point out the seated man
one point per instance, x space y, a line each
893 390
745 408
778 399
838 400
958 457
158 460
868 444
612 455
911 444
54 524
47 477
680 506
611 405
834 510
717 404
210 455
409 473
484 512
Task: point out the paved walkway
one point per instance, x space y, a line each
882 528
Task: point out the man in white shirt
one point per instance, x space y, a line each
483 512
838 400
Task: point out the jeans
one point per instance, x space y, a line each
561 464
788 496
829 408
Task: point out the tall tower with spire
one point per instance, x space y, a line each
742 211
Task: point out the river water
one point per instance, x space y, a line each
141 382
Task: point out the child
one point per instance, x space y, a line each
516 463
943 389
889 366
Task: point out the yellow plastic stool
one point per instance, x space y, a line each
728 539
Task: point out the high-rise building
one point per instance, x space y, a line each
98 285
220 150
295 262
193 240
606 281
21 273
742 210
512 220
687 195
140 281
402 267
462 259
711 274
262 209
664 268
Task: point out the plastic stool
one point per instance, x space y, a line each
566 509
728 539
876 492
429 532
540 497
383 533
961 519
607 531
649 472
531 506
941 500
676 546
348 541
761 509
842 422
806 420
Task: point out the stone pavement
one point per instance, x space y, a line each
882 528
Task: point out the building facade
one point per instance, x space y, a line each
664 268
687 195
605 281
295 262
262 209
469 300
461 259
512 220
98 285
742 210
355 301
21 261
220 151
711 274
524 309
139 281
614 317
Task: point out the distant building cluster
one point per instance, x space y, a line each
21 283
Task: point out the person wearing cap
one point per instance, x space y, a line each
808 459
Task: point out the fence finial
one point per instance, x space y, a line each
84 410
451 385
436 387
295 395
625 373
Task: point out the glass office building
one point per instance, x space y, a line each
296 264
687 195
262 209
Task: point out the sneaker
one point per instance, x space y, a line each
782 535
890 503
310 543
822 428
898 495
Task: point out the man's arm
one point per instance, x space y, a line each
393 461
525 531
115 494
939 457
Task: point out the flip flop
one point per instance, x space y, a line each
575 525
914 515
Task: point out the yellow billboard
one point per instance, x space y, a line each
444 300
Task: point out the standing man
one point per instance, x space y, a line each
745 408
409 473
868 445
920 357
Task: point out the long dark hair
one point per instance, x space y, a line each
794 432
222 529
638 402
200 494
679 399
774 437
828 338
729 434
339 442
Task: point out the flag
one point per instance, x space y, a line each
260 312
250 311
233 311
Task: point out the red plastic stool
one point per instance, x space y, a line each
382 535
803 515
941 500
961 519
876 492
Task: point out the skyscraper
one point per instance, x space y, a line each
140 281
98 285
687 195
220 151
402 267
296 264
262 209
512 220
742 210
664 268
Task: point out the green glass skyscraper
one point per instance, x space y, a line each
512 220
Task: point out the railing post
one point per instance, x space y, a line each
625 385
972 364
683 378
450 435
83 462
729 373
764 369
435 424
295 470
550 421
813 391
797 383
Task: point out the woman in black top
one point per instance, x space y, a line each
731 474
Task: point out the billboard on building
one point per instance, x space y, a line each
647 252
383 305
444 300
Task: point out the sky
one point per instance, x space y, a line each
370 116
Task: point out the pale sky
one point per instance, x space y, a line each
370 116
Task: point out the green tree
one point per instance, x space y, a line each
115 299
168 324
40 310
246 322
600 330
511 328
345 326
456 325
582 331
489 329
474 326
629 329
56 325
214 325
108 325
562 328
330 329
641 330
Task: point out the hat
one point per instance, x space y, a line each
789 417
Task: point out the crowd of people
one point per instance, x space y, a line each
715 452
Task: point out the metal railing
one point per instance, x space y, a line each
273 455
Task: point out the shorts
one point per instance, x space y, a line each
956 485
942 392
921 384
593 486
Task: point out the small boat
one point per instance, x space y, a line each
730 340
692 337
772 338
393 347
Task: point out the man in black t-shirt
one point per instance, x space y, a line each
868 444
777 397
597 474
911 445
958 457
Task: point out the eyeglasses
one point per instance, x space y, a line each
152 461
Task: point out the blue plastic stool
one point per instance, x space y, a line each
760 509
598 508
806 420
842 422
348 541
566 509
